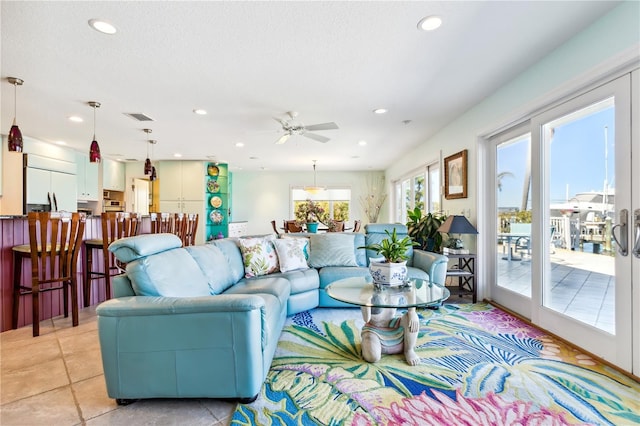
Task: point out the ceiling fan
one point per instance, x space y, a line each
291 127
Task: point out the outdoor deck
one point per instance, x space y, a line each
583 284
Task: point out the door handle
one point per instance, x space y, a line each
636 237
623 243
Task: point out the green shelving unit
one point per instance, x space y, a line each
218 199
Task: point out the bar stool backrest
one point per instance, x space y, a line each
186 225
117 225
162 223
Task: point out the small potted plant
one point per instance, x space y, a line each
308 214
392 270
424 229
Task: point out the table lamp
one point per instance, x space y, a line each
457 225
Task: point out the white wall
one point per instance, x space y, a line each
260 197
614 36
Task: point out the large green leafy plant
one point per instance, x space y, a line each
392 248
424 229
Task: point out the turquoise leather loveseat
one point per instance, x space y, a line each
188 323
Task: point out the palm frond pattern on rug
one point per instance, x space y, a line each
479 366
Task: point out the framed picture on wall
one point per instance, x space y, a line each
455 175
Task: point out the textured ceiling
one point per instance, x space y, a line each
247 62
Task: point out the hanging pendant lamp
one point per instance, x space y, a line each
315 188
147 163
94 149
154 174
15 135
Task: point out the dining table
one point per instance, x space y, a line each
508 237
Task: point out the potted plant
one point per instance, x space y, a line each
424 229
309 213
392 270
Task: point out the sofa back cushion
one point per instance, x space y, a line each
231 252
375 233
171 273
214 265
131 248
332 249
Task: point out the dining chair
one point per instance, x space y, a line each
356 225
292 226
275 228
186 226
114 225
55 239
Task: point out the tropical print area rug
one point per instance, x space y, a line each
479 366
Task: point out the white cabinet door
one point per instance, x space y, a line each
192 180
87 178
113 175
63 187
38 186
170 175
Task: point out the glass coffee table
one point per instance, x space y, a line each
383 332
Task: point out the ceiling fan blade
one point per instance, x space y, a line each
323 126
283 138
315 137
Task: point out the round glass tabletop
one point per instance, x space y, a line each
362 292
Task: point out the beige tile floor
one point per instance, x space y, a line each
57 379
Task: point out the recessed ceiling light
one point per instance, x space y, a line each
177 155
239 144
76 119
362 143
200 111
379 110
60 142
102 26
430 23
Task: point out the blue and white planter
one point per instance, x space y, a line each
388 273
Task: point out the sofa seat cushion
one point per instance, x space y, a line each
413 272
301 280
276 286
214 265
330 274
172 273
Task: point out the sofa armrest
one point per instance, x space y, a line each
433 263
156 305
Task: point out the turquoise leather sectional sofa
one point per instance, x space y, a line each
204 321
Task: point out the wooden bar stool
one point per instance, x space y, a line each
162 223
186 225
54 243
115 225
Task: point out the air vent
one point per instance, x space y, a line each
139 116
131 159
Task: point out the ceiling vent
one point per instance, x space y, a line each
139 116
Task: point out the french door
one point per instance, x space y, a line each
567 225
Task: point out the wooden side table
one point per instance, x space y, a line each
466 274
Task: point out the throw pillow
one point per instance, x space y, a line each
332 249
291 253
258 255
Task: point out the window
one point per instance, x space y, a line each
419 189
335 201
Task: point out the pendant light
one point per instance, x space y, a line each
315 188
15 135
154 175
94 149
147 163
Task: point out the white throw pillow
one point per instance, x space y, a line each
291 253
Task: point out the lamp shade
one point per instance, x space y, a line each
15 138
94 152
457 225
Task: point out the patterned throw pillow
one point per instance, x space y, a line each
259 256
291 253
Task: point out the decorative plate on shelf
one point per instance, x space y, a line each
216 202
216 217
213 186
212 170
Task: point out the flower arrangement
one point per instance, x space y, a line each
308 212
372 202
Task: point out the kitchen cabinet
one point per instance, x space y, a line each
46 186
87 179
113 175
182 190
